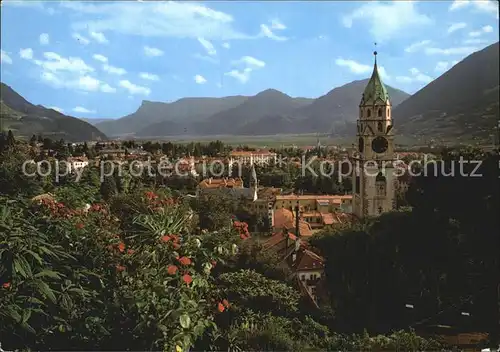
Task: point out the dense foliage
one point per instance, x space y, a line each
122 265
441 257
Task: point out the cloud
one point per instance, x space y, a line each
16 3
475 41
404 79
151 52
5 58
149 76
458 4
475 33
246 64
416 76
106 88
486 6
134 89
99 37
226 45
387 20
417 46
114 70
89 83
210 59
83 110
37 5
487 29
250 62
441 66
266 31
464 50
156 19
353 66
100 58
55 62
456 26
209 47
71 73
276 24
44 39
80 38
26 54
241 75
56 109
72 81
200 79
359 69
419 76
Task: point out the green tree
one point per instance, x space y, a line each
11 141
108 188
214 210
33 140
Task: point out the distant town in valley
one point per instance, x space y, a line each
363 219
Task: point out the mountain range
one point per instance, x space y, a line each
26 119
266 113
461 103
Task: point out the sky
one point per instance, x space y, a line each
102 59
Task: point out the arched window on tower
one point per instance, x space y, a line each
368 113
357 185
379 112
361 113
380 185
388 113
380 127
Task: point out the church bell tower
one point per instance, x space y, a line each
373 176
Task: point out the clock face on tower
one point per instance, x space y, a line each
380 145
361 144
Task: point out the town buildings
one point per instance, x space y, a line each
77 163
307 267
259 157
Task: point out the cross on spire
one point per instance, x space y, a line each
375 53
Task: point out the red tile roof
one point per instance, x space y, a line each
328 218
281 217
221 183
330 198
304 228
241 153
308 260
277 238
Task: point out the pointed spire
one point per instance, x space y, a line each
375 90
